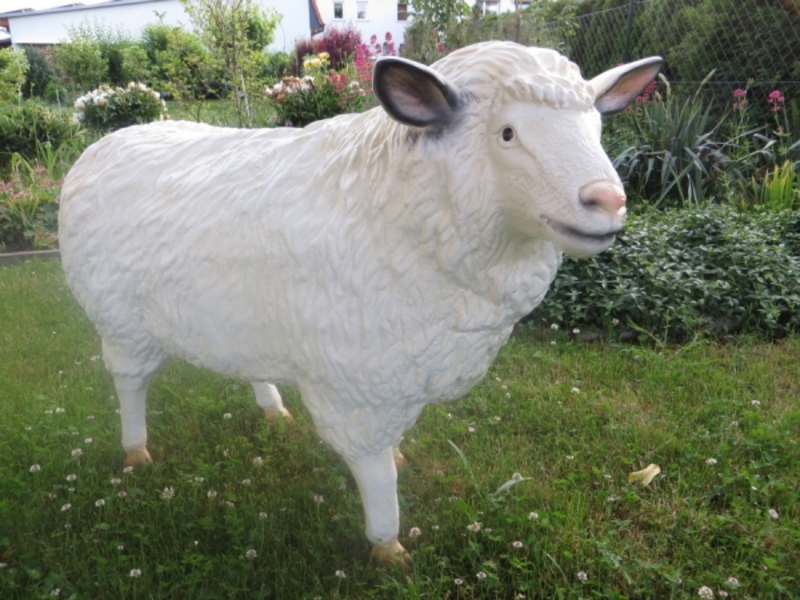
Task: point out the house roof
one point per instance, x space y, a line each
29 12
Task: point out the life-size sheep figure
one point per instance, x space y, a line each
377 261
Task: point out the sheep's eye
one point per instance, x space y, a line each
508 134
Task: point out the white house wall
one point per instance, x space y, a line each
53 27
381 17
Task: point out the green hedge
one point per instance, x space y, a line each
686 271
24 129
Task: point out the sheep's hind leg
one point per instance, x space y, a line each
269 399
376 477
131 378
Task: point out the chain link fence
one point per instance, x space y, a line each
748 44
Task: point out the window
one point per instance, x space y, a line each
402 11
338 10
361 11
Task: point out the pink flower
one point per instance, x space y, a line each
440 47
739 93
373 39
388 36
775 96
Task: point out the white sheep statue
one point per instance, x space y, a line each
376 261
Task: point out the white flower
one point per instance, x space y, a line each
59 410
251 554
533 516
262 515
71 477
773 513
414 532
77 452
99 503
127 470
258 461
135 573
474 526
199 479
705 592
755 402
582 576
168 493
458 581
35 468
554 327
212 493
246 482
227 416
711 461
122 494
88 441
116 481
55 592
66 507
340 574
480 575
318 498
516 544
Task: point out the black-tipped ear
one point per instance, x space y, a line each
617 87
413 94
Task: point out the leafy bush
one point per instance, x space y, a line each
179 64
28 209
676 273
25 129
81 61
340 43
13 66
39 74
109 109
319 95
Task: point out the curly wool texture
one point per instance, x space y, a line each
363 262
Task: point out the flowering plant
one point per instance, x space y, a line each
319 94
109 109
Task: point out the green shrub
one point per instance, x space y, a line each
109 109
39 74
676 273
13 66
26 128
320 94
82 62
28 208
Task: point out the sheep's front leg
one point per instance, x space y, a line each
376 477
269 399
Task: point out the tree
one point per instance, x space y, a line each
236 32
13 66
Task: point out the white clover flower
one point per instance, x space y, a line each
212 493
66 507
35 468
773 513
705 592
246 482
340 574
227 416
251 554
262 515
127 470
258 461
71 477
135 573
122 494
318 498
99 503
77 452
168 493
116 481
414 532
516 544
711 461
458 581
474 526
533 516
582 576
88 440
480 575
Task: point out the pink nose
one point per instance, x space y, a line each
604 195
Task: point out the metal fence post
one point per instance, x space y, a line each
626 53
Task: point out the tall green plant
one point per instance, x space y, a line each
13 67
237 33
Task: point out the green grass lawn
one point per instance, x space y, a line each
208 520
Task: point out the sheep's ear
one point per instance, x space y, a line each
413 94
618 86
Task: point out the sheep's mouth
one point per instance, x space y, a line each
581 236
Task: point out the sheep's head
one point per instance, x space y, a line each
541 124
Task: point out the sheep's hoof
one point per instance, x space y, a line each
400 461
391 553
275 414
137 457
